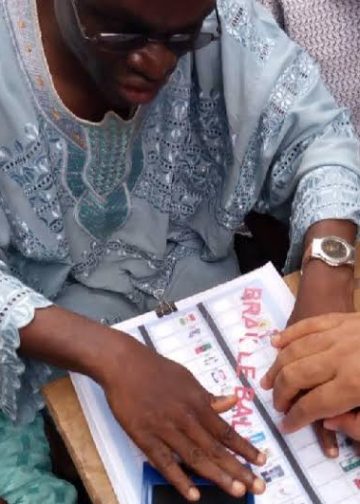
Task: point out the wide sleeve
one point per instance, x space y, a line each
20 379
293 147
326 190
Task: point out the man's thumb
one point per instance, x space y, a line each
221 404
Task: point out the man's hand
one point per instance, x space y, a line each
317 373
170 416
158 402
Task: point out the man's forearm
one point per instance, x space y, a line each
70 341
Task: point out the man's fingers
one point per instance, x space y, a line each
222 404
307 326
214 446
161 457
322 402
301 375
308 346
207 460
227 436
348 423
327 440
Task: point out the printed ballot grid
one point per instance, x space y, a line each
225 343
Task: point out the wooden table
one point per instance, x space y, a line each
66 411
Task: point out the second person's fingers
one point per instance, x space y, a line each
311 325
348 423
307 347
322 402
302 375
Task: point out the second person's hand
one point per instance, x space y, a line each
322 290
317 373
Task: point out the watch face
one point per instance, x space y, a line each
335 249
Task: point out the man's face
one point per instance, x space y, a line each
132 76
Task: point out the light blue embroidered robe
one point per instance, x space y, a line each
107 218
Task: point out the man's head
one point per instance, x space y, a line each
131 47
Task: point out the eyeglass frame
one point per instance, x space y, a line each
143 40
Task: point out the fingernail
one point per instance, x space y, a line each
283 427
261 459
329 425
238 489
276 340
332 452
263 382
259 486
194 494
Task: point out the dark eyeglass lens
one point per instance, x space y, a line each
179 44
191 43
120 43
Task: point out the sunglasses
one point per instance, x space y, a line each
179 43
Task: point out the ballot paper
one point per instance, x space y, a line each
223 336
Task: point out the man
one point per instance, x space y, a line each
135 139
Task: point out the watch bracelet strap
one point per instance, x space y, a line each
308 257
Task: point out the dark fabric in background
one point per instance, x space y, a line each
269 242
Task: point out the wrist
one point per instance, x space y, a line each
112 357
333 287
318 272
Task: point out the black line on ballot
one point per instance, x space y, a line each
146 337
260 407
